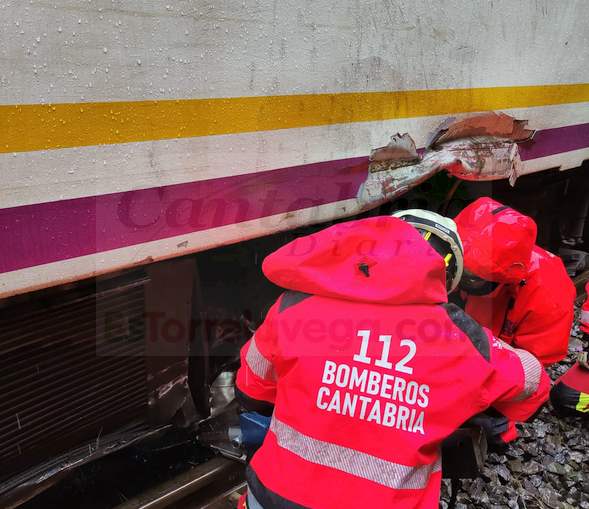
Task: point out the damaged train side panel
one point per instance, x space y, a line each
480 147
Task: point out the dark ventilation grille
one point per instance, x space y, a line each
71 370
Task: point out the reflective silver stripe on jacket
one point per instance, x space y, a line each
532 373
359 464
261 366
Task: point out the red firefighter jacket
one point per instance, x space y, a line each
533 306
367 370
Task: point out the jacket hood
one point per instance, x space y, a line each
498 241
380 260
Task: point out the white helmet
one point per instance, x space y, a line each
441 233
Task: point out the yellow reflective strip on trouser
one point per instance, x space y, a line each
583 404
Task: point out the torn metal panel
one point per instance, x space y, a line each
388 182
479 159
488 124
222 392
393 170
400 151
482 147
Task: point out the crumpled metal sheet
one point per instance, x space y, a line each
487 124
400 151
478 148
222 392
479 158
390 181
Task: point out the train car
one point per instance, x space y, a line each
139 138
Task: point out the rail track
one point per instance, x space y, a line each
215 484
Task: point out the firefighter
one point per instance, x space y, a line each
365 369
515 288
570 394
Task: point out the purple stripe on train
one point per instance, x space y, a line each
553 141
47 232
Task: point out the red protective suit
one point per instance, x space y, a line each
533 306
570 394
367 370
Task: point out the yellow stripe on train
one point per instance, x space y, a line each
30 127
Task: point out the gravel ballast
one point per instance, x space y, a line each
547 467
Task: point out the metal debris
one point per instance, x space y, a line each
480 158
488 124
388 181
482 147
400 151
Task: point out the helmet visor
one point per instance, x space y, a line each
444 249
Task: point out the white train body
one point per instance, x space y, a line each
137 131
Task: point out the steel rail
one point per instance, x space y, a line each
199 487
